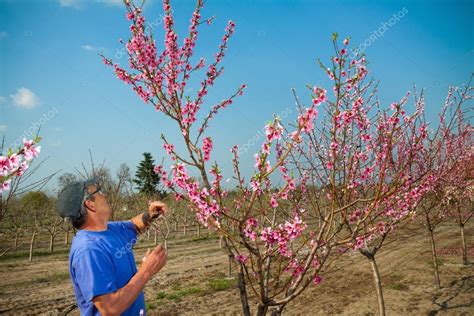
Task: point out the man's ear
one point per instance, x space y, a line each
90 205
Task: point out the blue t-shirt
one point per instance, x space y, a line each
102 262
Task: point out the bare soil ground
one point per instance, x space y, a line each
194 280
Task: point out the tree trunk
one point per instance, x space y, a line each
229 268
32 241
66 237
51 243
199 230
176 226
262 309
221 239
15 244
377 283
185 229
243 293
464 248
435 259
166 243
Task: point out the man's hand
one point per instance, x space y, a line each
117 302
153 261
157 208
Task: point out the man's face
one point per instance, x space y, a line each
98 202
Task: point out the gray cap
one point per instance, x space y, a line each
70 199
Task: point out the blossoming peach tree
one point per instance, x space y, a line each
15 163
458 183
359 161
345 179
444 156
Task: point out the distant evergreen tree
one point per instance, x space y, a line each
145 178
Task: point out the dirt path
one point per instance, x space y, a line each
194 281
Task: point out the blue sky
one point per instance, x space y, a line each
50 74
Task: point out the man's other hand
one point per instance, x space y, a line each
153 261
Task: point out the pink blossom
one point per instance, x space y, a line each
14 161
255 184
5 166
294 228
169 148
269 236
319 96
241 258
29 150
273 201
158 169
317 279
207 148
273 131
249 230
5 186
305 120
130 16
22 168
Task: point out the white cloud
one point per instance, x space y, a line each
3 34
91 48
2 99
58 129
3 128
25 98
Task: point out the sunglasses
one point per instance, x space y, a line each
98 190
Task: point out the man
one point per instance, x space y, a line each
101 262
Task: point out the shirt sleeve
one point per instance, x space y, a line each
94 273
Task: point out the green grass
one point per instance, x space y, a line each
440 261
399 287
150 306
178 294
396 283
221 284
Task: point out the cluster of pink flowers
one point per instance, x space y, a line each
273 131
208 209
15 164
162 76
306 119
169 149
207 148
283 235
